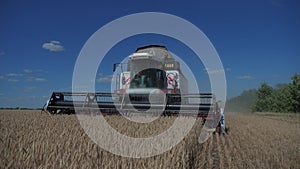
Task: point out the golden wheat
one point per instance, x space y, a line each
30 139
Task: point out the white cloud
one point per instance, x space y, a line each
40 79
13 75
35 71
41 70
53 46
28 71
29 89
83 88
13 80
2 53
36 79
28 75
213 71
246 77
104 78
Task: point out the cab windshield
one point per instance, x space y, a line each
149 78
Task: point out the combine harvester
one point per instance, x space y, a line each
151 82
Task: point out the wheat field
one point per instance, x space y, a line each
30 139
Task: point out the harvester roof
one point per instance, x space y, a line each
155 50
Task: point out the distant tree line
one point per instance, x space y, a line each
19 108
283 98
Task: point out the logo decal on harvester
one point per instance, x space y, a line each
172 80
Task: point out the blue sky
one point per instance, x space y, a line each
257 41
